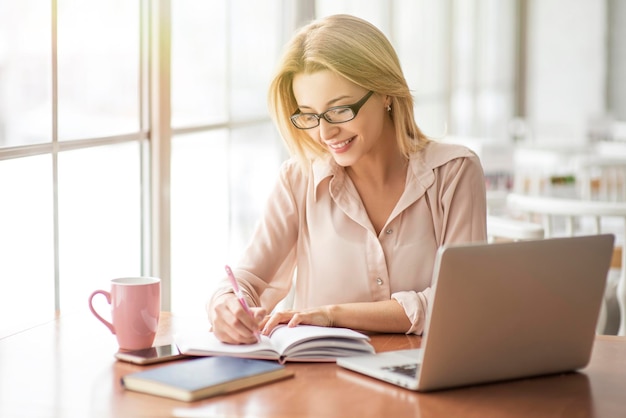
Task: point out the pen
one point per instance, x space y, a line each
239 295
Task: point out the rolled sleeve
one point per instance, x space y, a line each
415 305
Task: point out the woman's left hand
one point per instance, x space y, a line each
320 316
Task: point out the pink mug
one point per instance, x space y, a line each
135 308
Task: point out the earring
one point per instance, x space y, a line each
388 108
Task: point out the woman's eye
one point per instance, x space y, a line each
339 113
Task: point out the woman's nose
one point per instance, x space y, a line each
328 130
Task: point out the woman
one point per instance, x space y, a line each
360 211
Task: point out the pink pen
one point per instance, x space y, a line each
239 295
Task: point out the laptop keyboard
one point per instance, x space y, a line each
409 370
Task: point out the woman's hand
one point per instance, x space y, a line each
232 324
321 316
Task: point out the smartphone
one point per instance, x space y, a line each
151 355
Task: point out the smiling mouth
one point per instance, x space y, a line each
340 145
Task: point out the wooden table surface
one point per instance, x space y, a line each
66 368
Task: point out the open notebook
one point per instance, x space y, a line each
503 311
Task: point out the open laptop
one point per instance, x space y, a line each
503 311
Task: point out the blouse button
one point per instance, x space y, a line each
389 231
379 281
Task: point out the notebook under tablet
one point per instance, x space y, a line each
503 311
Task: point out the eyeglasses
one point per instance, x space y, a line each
337 114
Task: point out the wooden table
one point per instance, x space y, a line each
66 368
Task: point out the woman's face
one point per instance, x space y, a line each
368 134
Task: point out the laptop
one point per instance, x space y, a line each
503 311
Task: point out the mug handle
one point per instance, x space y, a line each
107 295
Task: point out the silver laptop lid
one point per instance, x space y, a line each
510 310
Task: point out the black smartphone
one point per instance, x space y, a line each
150 355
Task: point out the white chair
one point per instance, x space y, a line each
567 217
500 228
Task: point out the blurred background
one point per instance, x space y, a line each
135 137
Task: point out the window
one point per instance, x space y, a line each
75 135
27 285
71 203
97 72
25 74
225 151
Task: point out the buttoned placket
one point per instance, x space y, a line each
378 272
377 268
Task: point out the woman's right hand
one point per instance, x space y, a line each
232 324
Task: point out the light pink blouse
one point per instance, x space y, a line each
316 227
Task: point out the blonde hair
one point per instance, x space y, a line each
356 50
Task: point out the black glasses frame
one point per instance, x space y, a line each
354 107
